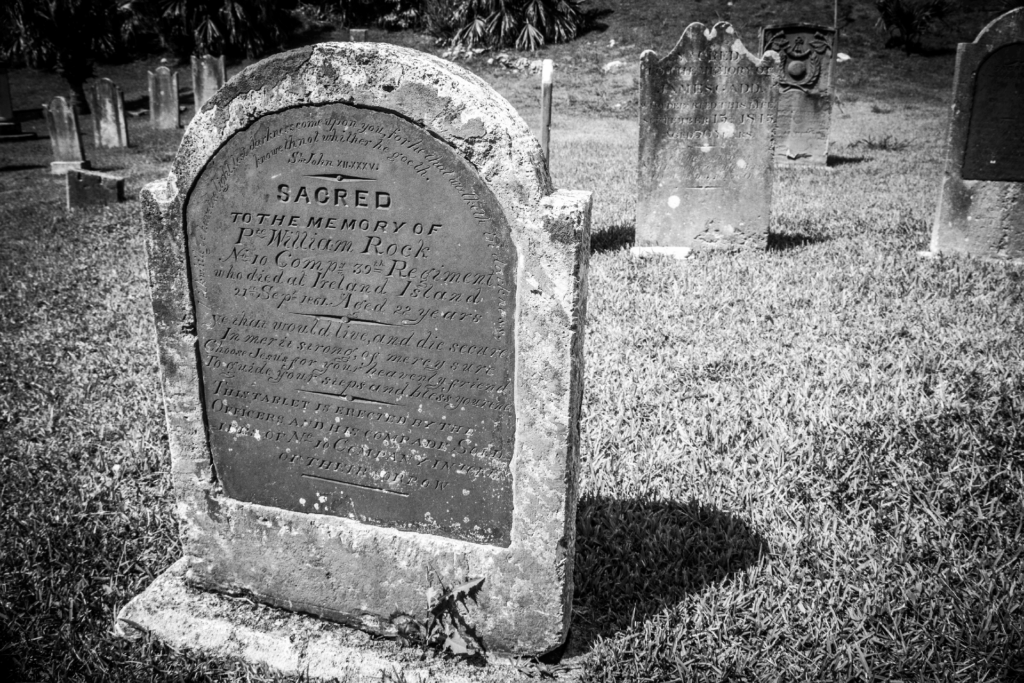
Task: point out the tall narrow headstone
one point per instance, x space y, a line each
10 129
386 296
804 120
208 76
981 202
707 114
108 121
65 139
163 99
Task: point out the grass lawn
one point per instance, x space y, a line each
805 463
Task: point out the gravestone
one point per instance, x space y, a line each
369 304
707 112
357 35
808 54
92 188
10 129
65 139
208 76
981 203
163 99
108 122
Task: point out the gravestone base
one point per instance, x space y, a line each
674 252
92 188
62 167
293 644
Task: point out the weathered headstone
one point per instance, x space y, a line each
92 188
370 305
707 113
10 129
65 139
108 122
163 99
357 35
804 120
981 205
208 76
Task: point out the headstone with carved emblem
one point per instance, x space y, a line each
804 117
981 203
707 116
370 304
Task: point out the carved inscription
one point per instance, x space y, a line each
995 140
707 120
354 282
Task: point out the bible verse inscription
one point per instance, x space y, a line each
354 282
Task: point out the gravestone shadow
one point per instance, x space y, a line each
635 558
834 160
613 238
794 240
592 21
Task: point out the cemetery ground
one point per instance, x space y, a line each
804 463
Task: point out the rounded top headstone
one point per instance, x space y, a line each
451 103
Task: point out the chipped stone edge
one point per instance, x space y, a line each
526 603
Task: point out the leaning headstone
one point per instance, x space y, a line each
357 35
362 245
808 54
208 76
10 129
163 99
92 188
65 139
981 205
108 122
707 113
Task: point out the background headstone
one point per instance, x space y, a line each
91 188
707 113
808 54
65 139
10 129
163 99
108 121
389 376
357 35
981 203
208 76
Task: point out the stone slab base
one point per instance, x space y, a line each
222 626
675 252
62 167
92 188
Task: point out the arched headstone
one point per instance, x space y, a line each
707 116
108 121
808 55
66 141
369 305
163 99
208 76
981 202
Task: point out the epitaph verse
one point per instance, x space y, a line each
707 113
354 283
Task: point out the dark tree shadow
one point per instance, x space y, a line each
782 241
834 160
636 558
613 238
592 21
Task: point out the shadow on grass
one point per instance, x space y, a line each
613 238
592 21
636 558
834 160
782 241
20 167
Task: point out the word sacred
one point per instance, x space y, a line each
339 196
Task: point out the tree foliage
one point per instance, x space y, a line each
908 20
523 24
